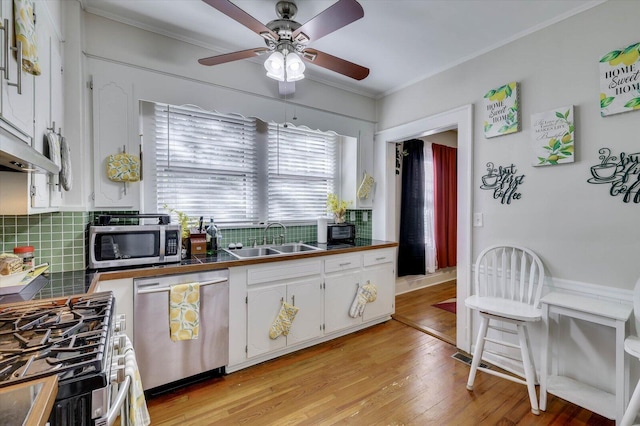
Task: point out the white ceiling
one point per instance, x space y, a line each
400 41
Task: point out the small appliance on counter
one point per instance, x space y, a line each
341 233
117 245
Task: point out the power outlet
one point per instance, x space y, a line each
352 216
477 220
365 216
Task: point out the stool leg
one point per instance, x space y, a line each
633 408
529 370
477 353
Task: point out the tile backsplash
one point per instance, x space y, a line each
59 239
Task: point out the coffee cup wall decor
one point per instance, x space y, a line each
621 173
503 182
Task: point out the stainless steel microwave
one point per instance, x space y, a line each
113 246
341 233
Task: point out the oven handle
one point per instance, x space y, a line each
114 411
155 289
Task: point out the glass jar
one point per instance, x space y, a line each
26 253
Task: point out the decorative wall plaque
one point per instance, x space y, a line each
621 174
552 135
620 80
502 110
503 181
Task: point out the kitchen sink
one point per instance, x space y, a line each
294 248
253 252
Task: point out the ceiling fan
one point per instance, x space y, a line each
287 39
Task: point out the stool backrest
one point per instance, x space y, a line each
509 272
636 306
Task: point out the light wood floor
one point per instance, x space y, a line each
388 374
415 310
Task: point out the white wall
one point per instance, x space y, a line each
581 232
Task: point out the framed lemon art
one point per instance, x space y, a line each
620 80
502 110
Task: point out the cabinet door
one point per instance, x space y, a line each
383 276
339 293
123 291
17 109
263 308
113 131
307 297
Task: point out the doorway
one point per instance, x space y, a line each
462 119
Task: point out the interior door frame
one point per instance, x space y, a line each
460 118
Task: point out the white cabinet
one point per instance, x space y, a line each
297 282
123 291
114 131
341 282
264 305
356 159
379 270
17 109
27 116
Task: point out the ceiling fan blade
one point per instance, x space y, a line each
329 20
233 56
239 15
336 64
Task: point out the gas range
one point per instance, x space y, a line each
70 337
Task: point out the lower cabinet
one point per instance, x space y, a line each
123 292
323 289
264 304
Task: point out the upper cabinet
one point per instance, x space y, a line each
17 104
30 114
356 160
114 132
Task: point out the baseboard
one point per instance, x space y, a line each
416 282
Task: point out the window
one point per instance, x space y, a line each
239 170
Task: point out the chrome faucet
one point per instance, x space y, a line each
273 241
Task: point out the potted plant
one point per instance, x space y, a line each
337 207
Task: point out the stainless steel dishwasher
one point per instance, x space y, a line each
161 360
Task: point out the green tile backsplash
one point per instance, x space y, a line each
59 240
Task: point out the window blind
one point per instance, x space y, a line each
206 163
302 170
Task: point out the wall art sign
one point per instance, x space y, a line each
622 174
552 135
503 181
502 110
620 80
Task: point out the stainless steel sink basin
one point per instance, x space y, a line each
252 252
294 248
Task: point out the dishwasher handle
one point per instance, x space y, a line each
153 287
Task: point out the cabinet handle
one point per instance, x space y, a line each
18 50
5 49
293 300
345 264
381 258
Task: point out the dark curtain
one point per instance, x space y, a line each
445 196
411 250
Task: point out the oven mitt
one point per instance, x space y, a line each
366 186
25 32
53 144
123 168
66 177
365 294
283 321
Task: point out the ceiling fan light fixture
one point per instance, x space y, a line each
275 66
294 67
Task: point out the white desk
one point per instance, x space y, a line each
598 311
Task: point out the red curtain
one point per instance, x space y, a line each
445 173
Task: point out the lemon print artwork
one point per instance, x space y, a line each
553 136
501 110
620 80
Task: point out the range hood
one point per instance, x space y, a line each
18 156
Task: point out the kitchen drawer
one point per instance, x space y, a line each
342 262
379 256
280 271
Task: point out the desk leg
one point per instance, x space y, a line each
622 370
544 358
